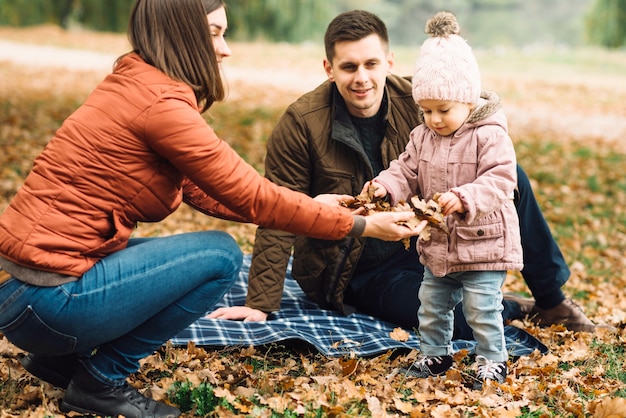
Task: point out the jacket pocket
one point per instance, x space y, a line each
117 242
31 334
334 181
480 243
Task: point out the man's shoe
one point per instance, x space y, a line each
56 370
87 395
426 366
489 370
526 305
567 313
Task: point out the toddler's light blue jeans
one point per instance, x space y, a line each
481 294
127 305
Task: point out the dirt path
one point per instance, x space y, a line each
570 113
49 56
32 55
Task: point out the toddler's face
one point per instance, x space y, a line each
443 116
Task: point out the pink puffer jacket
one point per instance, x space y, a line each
478 164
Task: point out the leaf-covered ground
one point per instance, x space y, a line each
568 125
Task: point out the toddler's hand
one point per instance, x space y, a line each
449 203
379 189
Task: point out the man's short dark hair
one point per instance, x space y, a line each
353 26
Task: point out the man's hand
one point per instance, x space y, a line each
384 225
238 313
332 199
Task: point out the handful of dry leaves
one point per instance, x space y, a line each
429 211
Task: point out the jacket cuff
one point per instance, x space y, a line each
358 227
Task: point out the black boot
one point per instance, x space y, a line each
87 395
56 370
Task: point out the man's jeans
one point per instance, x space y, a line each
545 269
127 305
482 306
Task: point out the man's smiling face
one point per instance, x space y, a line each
359 70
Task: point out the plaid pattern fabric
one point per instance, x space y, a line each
330 332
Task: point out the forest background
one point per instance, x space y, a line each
488 23
566 104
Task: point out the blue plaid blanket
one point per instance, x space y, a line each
330 332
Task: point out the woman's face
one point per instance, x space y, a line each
218 25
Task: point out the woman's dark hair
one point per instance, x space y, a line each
353 26
212 5
174 36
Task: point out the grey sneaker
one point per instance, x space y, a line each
426 366
489 370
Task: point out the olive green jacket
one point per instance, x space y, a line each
315 149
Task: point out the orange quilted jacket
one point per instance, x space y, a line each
132 153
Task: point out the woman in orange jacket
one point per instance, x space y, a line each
83 298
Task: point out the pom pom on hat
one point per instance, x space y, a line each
446 68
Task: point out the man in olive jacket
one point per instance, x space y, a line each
333 140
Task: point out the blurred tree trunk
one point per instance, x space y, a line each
27 12
64 12
109 15
606 23
279 20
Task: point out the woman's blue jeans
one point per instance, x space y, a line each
127 305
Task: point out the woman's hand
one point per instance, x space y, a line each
238 313
336 199
384 225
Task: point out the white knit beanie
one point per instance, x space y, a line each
446 68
